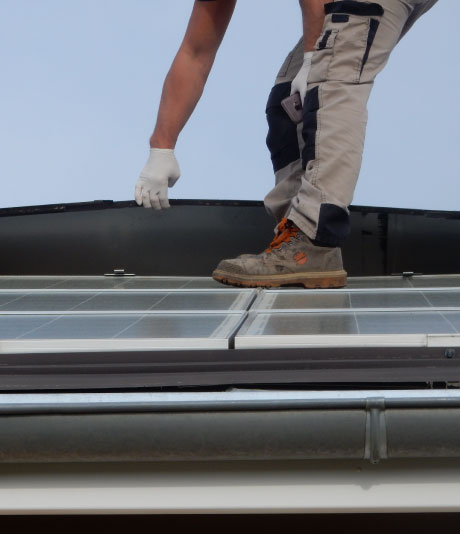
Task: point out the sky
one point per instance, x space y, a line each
81 82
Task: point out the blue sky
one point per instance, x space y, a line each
81 82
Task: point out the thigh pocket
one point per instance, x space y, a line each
343 46
322 57
349 50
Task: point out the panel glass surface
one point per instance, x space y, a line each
383 299
24 282
118 326
101 282
125 300
5 298
435 281
405 323
164 301
348 323
301 299
226 300
12 326
291 324
378 282
45 301
443 298
171 283
453 318
118 300
107 282
328 299
152 283
364 282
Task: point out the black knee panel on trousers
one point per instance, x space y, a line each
282 132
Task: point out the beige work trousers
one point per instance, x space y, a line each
317 162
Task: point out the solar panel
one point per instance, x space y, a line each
28 333
369 312
348 328
118 313
141 313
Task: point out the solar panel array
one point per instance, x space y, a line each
41 314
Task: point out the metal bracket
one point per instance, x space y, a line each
406 274
375 447
119 272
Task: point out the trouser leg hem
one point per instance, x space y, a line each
311 231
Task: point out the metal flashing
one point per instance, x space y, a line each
383 241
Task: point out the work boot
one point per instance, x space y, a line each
290 260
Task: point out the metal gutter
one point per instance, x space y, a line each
239 425
238 401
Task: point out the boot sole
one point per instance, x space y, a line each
318 280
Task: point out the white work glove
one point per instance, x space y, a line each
299 83
160 172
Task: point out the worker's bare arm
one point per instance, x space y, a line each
313 20
185 81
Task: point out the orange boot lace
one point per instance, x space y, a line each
285 232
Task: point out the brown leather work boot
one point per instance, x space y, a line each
290 260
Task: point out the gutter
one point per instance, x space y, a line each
235 425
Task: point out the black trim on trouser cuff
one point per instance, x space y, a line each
333 225
281 139
373 27
310 124
354 8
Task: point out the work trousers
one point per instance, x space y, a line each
317 162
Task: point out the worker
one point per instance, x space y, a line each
316 161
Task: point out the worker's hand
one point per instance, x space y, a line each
160 172
299 83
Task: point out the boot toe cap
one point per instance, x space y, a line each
230 266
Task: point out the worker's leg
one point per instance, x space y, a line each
356 42
355 45
284 139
